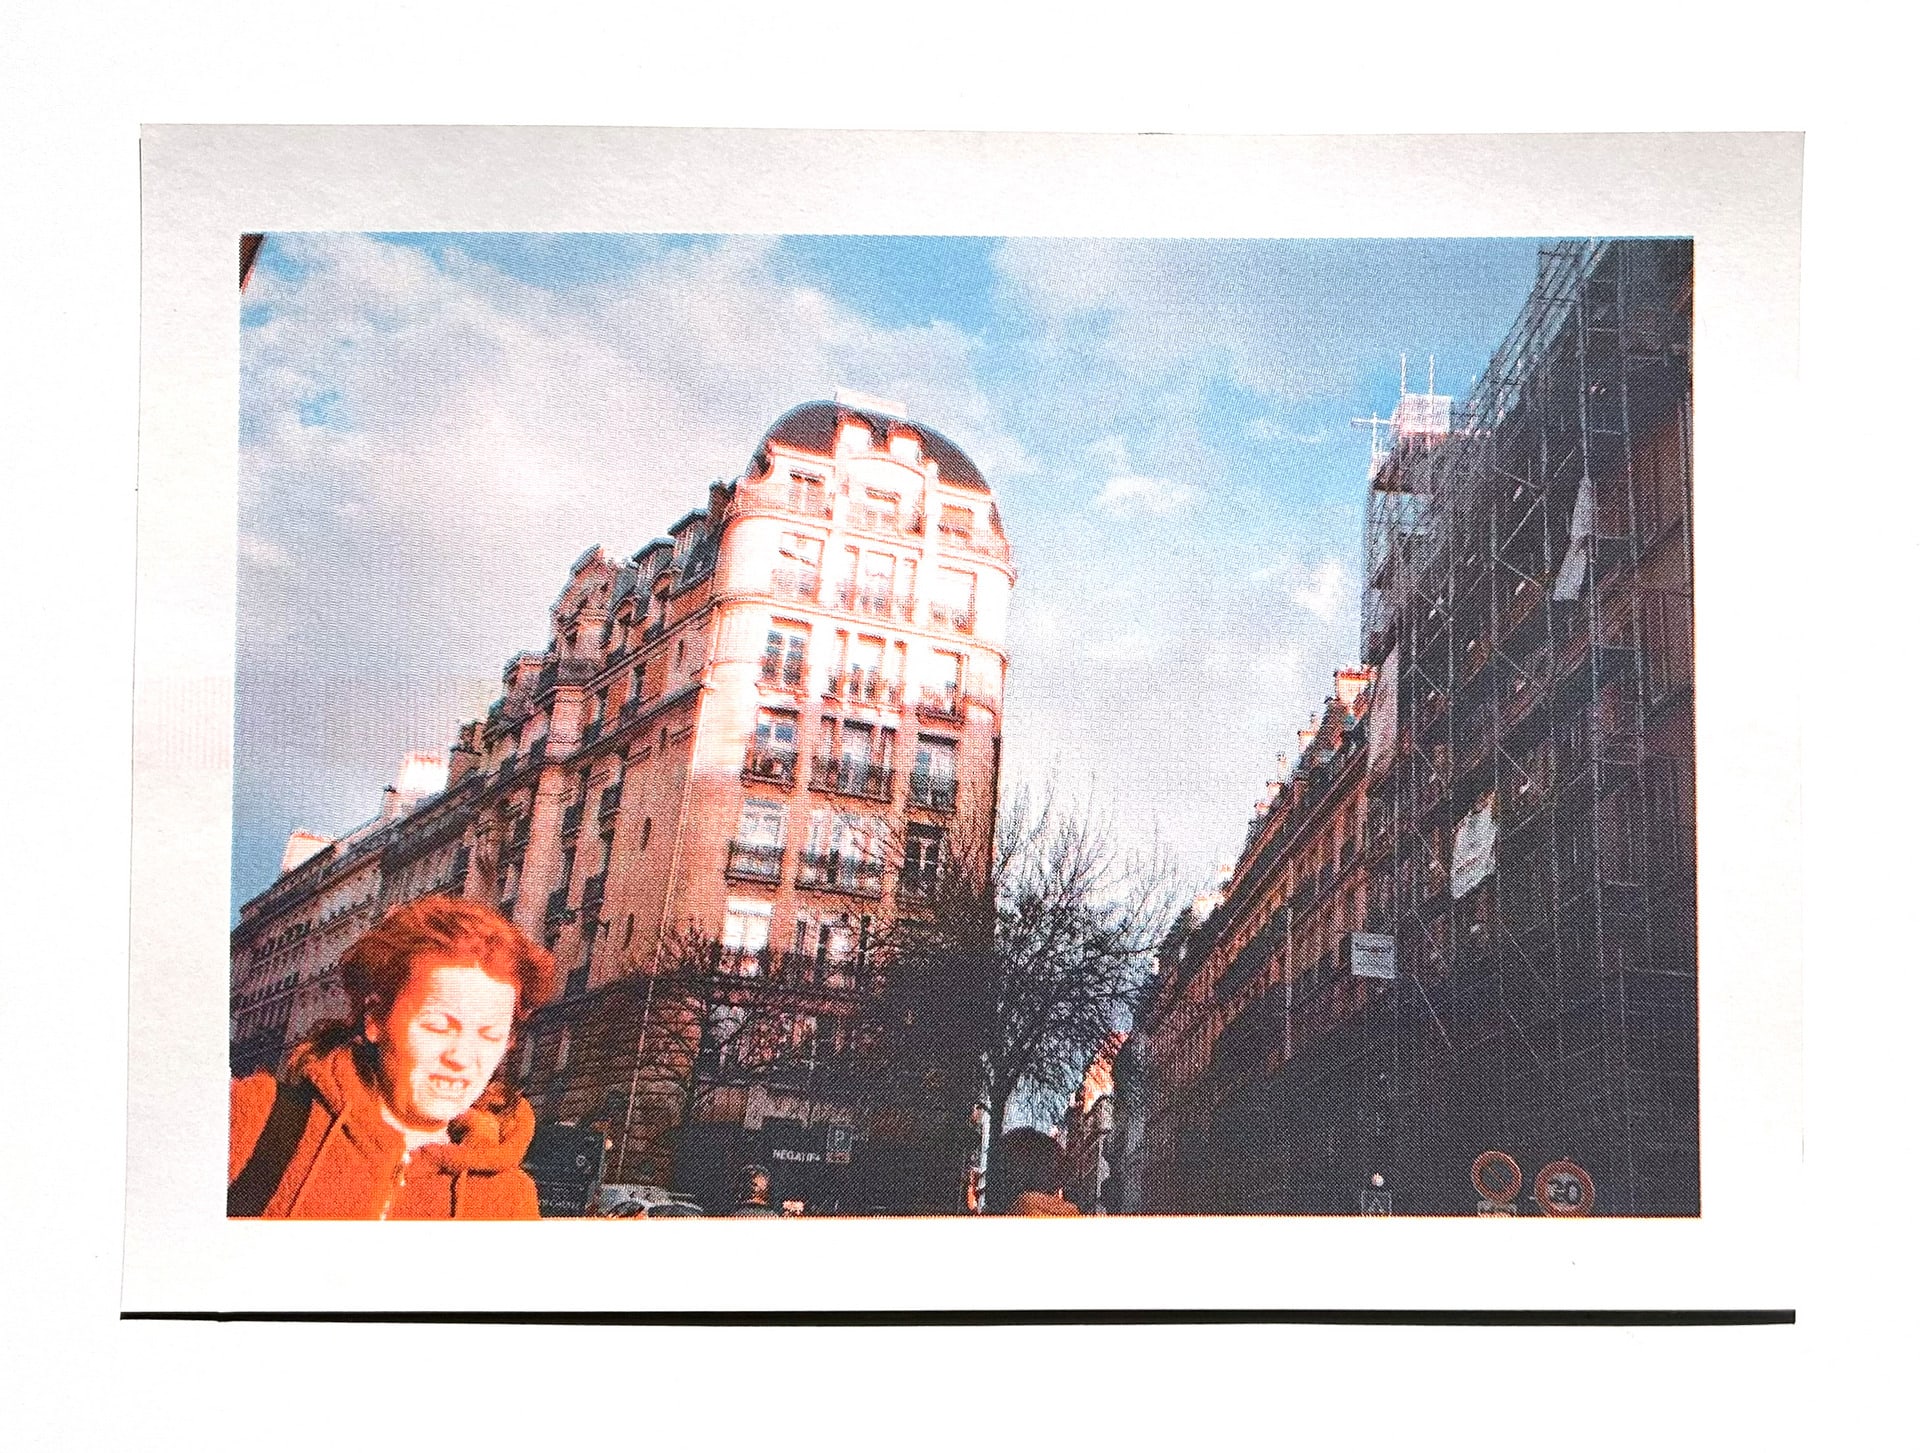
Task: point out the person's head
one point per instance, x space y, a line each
754 1186
1024 1160
437 988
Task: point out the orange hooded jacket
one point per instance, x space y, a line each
350 1165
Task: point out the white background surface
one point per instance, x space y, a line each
1831 544
1736 196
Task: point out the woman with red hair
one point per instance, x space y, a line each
397 1114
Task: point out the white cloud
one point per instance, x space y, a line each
1328 594
1268 430
1154 309
1131 494
434 442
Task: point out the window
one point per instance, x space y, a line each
797 572
956 523
843 852
757 850
918 874
744 935
785 661
876 584
865 679
933 783
772 754
1669 642
646 832
806 493
953 599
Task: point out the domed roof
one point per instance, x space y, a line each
812 427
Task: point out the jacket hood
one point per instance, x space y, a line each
492 1136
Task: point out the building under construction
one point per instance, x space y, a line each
1528 809
1530 843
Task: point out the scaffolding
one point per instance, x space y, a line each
1530 839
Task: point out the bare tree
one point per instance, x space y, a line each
1026 951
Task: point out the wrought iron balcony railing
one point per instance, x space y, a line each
770 764
864 684
957 618
852 778
759 861
796 584
840 873
944 703
936 793
784 671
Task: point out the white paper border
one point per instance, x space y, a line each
1736 195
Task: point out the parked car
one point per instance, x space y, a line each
624 1202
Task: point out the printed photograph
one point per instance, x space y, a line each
799 726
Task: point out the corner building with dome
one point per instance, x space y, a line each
749 744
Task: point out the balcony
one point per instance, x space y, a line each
956 618
882 604
864 684
937 794
852 778
793 496
838 872
919 880
940 703
955 537
875 520
769 764
783 672
801 585
760 862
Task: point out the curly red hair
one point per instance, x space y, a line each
439 931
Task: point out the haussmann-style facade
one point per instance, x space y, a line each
1503 820
743 750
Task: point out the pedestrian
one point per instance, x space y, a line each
396 1113
753 1192
1027 1176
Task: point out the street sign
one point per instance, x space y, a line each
1499 1208
1496 1176
1376 1203
1563 1189
839 1144
1371 955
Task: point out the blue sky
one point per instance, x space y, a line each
433 426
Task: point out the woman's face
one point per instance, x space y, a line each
441 1041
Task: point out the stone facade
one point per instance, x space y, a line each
757 733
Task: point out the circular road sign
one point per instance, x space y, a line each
1563 1189
1496 1176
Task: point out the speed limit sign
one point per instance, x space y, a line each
1563 1189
